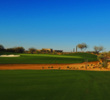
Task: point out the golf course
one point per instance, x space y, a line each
54 50
54 85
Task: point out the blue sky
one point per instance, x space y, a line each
57 24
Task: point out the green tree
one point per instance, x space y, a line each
19 49
82 46
32 50
2 47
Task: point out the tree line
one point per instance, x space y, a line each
14 49
81 46
22 50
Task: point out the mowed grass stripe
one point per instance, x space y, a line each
54 85
50 55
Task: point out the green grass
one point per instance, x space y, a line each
48 58
54 85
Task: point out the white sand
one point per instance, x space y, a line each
10 55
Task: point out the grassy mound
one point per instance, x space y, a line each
86 56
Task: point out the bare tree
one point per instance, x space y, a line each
98 49
82 46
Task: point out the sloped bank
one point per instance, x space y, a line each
78 66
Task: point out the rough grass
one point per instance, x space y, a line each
54 85
48 58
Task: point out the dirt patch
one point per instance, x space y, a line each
77 66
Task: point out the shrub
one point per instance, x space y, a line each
67 66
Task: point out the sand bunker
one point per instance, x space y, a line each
10 55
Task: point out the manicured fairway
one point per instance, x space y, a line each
48 58
54 85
